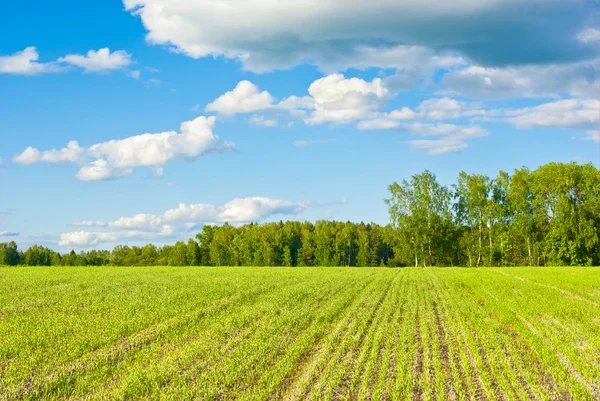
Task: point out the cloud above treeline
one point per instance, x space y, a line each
183 218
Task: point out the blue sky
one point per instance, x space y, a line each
263 110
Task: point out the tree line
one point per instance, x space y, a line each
550 216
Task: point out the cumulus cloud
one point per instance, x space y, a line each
402 114
442 108
244 98
266 34
101 60
26 62
71 153
155 150
411 64
86 238
181 219
593 136
565 113
573 79
341 100
439 146
332 98
389 120
89 223
100 170
452 138
239 210
2 164
432 109
135 74
382 123
117 158
297 105
449 137
261 121
589 35
8 234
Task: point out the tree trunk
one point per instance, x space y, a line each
430 258
479 250
348 254
491 245
529 250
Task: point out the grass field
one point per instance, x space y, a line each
299 333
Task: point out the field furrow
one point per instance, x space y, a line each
300 333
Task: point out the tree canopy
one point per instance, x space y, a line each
550 216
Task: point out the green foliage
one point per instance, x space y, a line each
548 217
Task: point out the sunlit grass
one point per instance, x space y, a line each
299 333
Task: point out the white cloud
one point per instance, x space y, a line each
181 219
2 162
8 234
562 113
431 109
71 153
333 98
297 106
100 170
575 79
185 218
593 136
26 62
85 238
473 131
589 35
439 146
89 223
403 114
341 100
244 98
378 124
239 210
411 63
441 108
452 138
268 34
301 143
118 157
261 121
150 150
566 113
389 120
101 60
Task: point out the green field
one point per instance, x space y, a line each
299 333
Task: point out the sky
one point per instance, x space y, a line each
137 121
